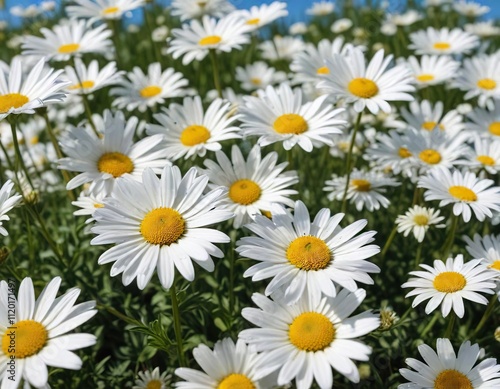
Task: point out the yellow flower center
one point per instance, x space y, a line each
363 88
236 381
425 77
162 226
404 152
495 265
323 70
462 193
429 126
290 123
494 128
84 85
267 214
361 185
253 22
430 156
244 192
154 384
449 282
442 46
487 83
12 100
311 331
452 379
486 160
24 339
35 140
194 135
421 220
98 205
116 164
150 91
210 40
256 81
69 48
110 10
309 253
202 4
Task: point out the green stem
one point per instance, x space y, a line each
119 315
418 256
451 324
89 114
486 315
177 325
215 68
431 323
451 237
149 26
19 162
116 40
388 243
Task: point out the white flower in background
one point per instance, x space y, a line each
390 152
88 204
151 380
279 47
486 248
406 19
483 29
90 79
31 11
484 155
192 9
298 28
321 8
470 8
418 220
433 69
259 16
443 41
8 200
341 25
102 9
160 34
258 76
485 122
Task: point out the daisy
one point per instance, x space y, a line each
372 86
24 93
365 189
432 69
483 29
188 131
160 223
259 16
306 340
147 90
253 185
105 160
102 9
227 366
278 115
151 380
418 220
486 248
321 8
308 257
194 41
447 284
7 202
88 204
485 155
341 25
67 40
485 122
298 28
192 9
404 19
447 370
40 332
281 48
88 80
258 76
464 190
470 9
443 41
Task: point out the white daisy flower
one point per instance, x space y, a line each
486 248
88 204
321 8
254 185
483 29
281 48
37 335
194 41
159 224
278 115
365 189
192 9
447 370
485 155
7 202
188 131
102 9
298 28
443 41
259 16
147 90
418 220
227 366
151 380
448 284
433 69
464 190
105 160
485 122
67 40
390 152
24 93
408 18
470 9
258 76
306 340
308 257
373 86
341 25
90 79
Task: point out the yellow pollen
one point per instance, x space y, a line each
361 185
363 88
84 85
210 40
311 331
34 140
487 83
202 4
429 126
309 253
449 282
494 128
442 46
253 22
430 156
110 10
495 265
12 100
404 152
24 339
236 381
266 213
486 160
421 220
256 81
452 379
162 226
290 123
323 70
425 77
98 205
244 192
150 91
116 164
69 48
194 135
462 193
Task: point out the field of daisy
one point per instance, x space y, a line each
220 197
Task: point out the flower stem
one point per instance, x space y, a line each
215 68
451 237
429 325
388 243
451 324
486 315
418 256
177 325
19 162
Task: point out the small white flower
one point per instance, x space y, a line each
418 220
